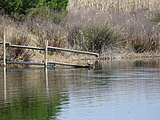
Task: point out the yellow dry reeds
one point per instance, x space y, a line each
120 5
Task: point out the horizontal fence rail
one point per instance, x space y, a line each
50 49
48 64
26 47
7 43
75 51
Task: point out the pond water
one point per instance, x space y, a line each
115 90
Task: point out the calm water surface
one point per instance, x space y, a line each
112 91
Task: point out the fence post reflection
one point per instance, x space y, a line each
46 77
4 84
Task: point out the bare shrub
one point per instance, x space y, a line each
43 13
19 54
55 38
73 35
44 28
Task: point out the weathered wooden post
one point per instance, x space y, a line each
46 52
4 49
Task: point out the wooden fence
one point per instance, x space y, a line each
46 49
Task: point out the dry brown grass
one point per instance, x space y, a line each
30 32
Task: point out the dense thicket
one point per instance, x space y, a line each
18 7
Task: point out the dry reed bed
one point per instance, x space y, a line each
110 5
138 31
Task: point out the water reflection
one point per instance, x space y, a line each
126 90
98 65
115 90
26 95
142 63
5 84
46 78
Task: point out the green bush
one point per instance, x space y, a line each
156 17
59 5
94 38
141 46
10 6
43 13
14 7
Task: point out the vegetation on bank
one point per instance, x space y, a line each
93 38
24 7
106 32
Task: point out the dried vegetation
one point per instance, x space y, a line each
121 28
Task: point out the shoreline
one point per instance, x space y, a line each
83 59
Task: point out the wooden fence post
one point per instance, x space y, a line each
4 48
46 52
